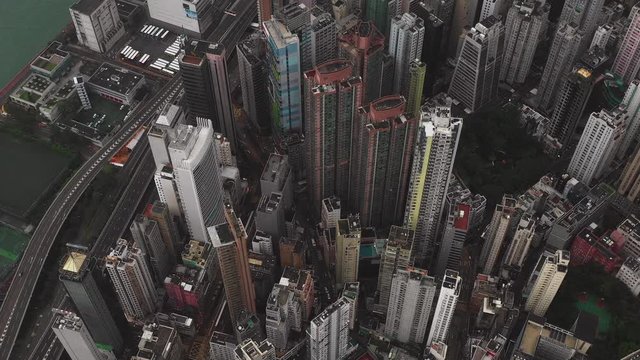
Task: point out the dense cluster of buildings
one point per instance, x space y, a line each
365 114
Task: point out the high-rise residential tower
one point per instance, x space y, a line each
585 14
496 234
562 55
132 280
475 79
380 13
285 83
545 281
632 103
396 255
627 62
521 242
414 88
159 212
192 17
364 47
252 67
206 85
76 340
322 37
406 38
146 234
598 144
492 7
195 167
458 224
412 293
629 185
433 54
332 99
348 234
328 333
384 138
570 105
433 157
446 306
526 23
75 273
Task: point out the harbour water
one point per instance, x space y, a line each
25 28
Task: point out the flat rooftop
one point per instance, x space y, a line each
86 6
277 166
115 79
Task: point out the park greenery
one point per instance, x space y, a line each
497 156
623 335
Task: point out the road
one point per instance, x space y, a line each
231 28
21 290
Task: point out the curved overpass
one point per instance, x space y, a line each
26 276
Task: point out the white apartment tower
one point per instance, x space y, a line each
497 232
632 103
348 236
563 54
435 152
328 333
521 243
627 62
75 338
195 167
475 78
629 274
492 7
601 37
545 281
412 293
396 255
98 26
457 226
598 144
585 14
405 45
446 306
132 280
526 23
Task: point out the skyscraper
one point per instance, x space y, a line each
252 67
521 243
75 274
250 349
414 89
322 37
332 99
475 78
384 136
446 306
563 53
76 340
206 85
545 281
526 23
380 13
195 167
348 234
159 212
328 333
241 239
632 103
435 151
570 105
627 62
464 16
458 224
433 54
412 293
264 10
364 47
282 312
492 7
396 255
630 180
406 38
230 242
598 144
585 14
190 17
132 280
146 234
284 77
497 233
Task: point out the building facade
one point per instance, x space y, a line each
627 63
328 333
446 306
497 232
396 255
348 234
406 38
98 26
545 281
76 339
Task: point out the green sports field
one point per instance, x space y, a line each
12 243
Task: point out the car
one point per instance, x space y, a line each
20 274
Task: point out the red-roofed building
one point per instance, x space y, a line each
593 244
